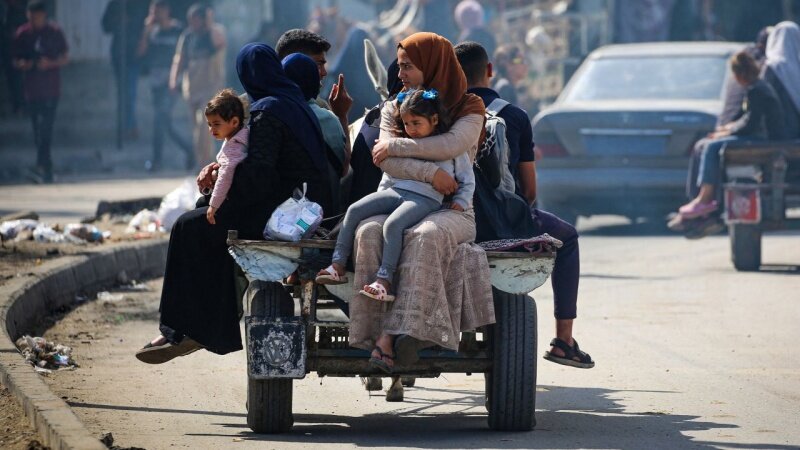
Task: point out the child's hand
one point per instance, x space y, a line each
380 151
210 215
456 206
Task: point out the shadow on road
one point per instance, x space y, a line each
567 418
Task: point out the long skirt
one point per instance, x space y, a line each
442 284
199 296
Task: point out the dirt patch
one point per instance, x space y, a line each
16 432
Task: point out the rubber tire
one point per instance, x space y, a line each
745 247
511 386
269 402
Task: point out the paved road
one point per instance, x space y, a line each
690 354
72 201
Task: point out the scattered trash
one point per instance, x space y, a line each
109 297
177 202
145 220
108 440
134 286
45 356
12 228
86 232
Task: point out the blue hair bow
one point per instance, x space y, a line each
430 94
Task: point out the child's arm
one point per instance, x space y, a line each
231 155
466 182
462 137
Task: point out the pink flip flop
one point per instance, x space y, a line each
383 295
330 277
697 209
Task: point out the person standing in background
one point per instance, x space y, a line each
157 48
471 20
12 16
124 21
199 69
39 50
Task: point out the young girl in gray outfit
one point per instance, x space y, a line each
419 114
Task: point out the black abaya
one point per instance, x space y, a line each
198 297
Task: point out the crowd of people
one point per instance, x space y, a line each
411 231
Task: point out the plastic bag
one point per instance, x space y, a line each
144 220
177 202
10 229
294 219
86 232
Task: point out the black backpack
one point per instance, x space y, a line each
499 214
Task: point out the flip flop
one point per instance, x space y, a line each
380 362
159 354
330 276
584 361
383 295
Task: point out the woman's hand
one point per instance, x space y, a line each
210 212
444 183
380 151
207 176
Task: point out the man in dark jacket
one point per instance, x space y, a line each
39 51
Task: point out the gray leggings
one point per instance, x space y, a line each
405 209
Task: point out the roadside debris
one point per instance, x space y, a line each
45 356
144 221
74 233
177 202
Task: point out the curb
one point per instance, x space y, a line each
27 300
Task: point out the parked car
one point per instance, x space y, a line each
617 140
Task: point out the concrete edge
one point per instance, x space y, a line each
25 301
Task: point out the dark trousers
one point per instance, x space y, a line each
567 269
163 101
127 79
43 115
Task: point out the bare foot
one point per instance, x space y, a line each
160 340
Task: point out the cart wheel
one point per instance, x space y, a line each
511 386
269 402
745 247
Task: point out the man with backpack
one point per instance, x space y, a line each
515 130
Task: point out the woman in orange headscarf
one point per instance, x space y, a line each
435 298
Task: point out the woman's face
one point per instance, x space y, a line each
409 75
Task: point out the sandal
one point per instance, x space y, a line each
380 362
583 361
159 354
383 295
329 275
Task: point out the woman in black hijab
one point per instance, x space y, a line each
198 300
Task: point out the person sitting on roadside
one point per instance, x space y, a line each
285 150
419 114
225 115
564 349
761 118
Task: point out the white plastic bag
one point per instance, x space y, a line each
294 219
144 220
177 202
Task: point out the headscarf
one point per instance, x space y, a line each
264 80
303 71
393 83
435 57
469 15
783 57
